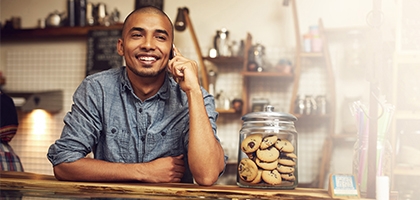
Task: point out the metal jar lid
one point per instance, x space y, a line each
268 114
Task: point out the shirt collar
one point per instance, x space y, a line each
125 83
163 92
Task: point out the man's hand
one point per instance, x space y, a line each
184 71
164 170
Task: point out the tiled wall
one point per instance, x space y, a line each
64 69
38 70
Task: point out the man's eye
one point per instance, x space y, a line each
136 35
161 37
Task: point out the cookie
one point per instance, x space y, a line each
252 156
266 165
288 177
268 155
272 177
285 169
288 155
284 145
268 141
287 161
251 143
247 170
258 178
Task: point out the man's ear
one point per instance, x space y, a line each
120 47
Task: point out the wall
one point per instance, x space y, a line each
270 23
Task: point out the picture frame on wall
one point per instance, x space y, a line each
155 3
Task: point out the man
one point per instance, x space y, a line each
9 160
140 124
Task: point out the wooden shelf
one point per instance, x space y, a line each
52 32
266 74
224 111
231 61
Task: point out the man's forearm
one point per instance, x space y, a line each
161 170
87 169
205 154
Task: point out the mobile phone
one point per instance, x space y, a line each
172 54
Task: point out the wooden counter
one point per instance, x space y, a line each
18 184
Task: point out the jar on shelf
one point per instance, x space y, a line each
310 105
321 102
267 155
300 105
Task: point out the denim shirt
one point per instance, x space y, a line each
108 119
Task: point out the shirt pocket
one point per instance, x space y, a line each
172 138
115 145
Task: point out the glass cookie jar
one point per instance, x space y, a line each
267 155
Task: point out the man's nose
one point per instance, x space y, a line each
148 43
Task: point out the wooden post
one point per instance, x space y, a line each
374 77
204 77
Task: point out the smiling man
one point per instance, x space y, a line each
141 124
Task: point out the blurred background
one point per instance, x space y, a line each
362 51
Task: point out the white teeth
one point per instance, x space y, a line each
147 58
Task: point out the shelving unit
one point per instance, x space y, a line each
52 32
407 113
247 76
405 97
330 117
230 62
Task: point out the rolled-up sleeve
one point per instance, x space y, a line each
81 126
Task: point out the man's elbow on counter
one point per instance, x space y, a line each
206 181
59 174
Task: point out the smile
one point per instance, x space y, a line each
146 58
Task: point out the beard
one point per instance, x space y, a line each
147 72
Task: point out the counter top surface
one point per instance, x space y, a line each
21 184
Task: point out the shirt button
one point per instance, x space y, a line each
140 110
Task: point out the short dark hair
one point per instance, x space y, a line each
149 9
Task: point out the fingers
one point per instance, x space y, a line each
167 169
179 161
177 71
179 168
183 70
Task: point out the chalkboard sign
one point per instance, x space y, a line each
409 26
102 50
